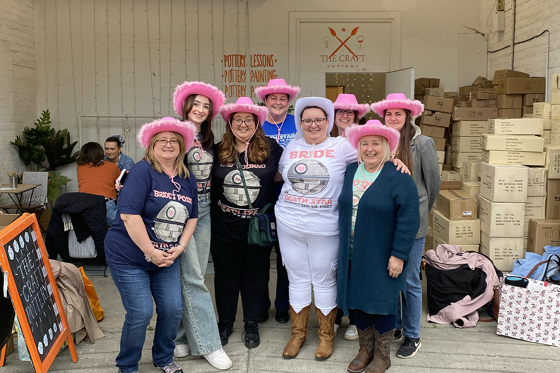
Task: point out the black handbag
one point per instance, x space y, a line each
262 227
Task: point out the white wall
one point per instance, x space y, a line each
18 87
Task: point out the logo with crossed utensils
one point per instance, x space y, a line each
360 39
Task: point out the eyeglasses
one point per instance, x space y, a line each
318 121
238 121
164 142
342 112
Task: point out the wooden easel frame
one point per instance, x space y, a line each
7 234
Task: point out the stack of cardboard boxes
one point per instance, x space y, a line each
517 93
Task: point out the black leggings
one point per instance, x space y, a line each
382 323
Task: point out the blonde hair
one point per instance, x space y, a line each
179 163
385 147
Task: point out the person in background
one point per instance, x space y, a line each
280 126
158 212
378 221
113 152
418 152
347 111
98 177
241 268
198 103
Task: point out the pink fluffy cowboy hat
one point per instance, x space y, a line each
244 105
373 128
197 88
277 86
398 101
347 101
149 130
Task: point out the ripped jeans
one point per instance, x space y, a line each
311 262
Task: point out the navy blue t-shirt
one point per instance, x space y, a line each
163 209
287 132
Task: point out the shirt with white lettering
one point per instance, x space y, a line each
230 207
313 178
287 130
164 210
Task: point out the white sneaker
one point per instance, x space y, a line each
182 351
219 359
351 333
336 326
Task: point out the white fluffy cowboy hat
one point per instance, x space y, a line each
323 103
348 101
277 86
244 105
398 101
197 88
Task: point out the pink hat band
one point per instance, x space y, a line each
277 86
398 101
348 101
186 89
244 105
149 130
373 128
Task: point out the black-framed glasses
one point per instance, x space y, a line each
318 121
164 142
248 122
342 112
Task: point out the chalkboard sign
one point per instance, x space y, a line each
33 291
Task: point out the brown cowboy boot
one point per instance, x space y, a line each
326 334
382 353
299 332
365 354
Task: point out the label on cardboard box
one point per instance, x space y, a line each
536 186
521 85
456 232
441 104
543 233
469 128
553 199
514 158
552 161
468 144
515 126
522 143
472 188
439 241
457 204
466 113
542 110
469 172
503 183
502 251
535 208
498 219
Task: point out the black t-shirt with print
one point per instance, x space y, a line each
230 208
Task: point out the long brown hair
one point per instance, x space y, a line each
334 131
206 126
179 165
91 153
258 147
404 151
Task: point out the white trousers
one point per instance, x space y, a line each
309 260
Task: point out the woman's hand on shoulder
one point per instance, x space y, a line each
400 166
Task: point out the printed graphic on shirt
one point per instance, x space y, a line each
234 190
284 139
200 163
308 176
355 201
169 222
239 212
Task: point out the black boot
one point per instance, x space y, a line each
252 338
225 329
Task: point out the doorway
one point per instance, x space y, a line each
367 87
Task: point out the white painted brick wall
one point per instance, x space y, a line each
18 80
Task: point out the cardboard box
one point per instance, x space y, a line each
510 157
432 131
466 90
542 110
420 85
532 98
465 113
554 126
552 161
456 232
468 144
510 101
555 82
535 208
543 233
472 188
469 128
484 94
509 113
503 183
440 168
447 175
469 172
512 142
441 104
457 159
515 126
439 241
512 86
482 103
435 118
555 96
554 139
456 204
555 111
450 185
502 251
440 156
450 94
536 185
501 74
437 92
546 136
553 199
527 112
498 219
440 143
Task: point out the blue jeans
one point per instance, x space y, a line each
111 212
137 288
198 326
412 302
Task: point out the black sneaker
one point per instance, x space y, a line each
282 316
251 335
225 329
409 348
397 335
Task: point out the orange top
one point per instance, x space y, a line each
98 180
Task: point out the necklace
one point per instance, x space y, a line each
368 180
277 126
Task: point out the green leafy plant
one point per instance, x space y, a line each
31 146
56 181
59 150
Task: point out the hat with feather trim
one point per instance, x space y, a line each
197 88
277 86
398 101
373 128
244 105
149 130
348 101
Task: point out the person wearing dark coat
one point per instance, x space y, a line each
378 220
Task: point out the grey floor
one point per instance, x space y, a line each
444 348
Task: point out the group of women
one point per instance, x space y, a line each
344 196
